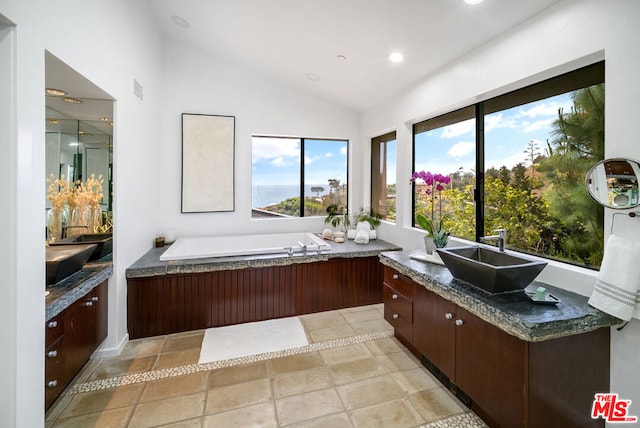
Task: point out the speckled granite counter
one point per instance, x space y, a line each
150 265
512 312
64 293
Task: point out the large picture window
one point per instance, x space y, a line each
383 176
533 148
297 177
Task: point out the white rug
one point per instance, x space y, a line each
242 340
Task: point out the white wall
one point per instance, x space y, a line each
572 34
196 83
110 43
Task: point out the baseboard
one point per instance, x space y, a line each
105 352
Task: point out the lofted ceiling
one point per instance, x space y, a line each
299 42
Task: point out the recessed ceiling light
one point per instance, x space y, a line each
72 100
341 57
56 92
105 118
396 57
53 120
313 77
472 1
180 21
74 144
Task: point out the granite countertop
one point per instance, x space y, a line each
150 265
64 293
511 312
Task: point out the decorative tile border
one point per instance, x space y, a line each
462 420
195 368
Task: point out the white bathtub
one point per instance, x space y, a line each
238 245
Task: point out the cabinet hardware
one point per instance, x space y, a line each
459 322
395 276
94 299
52 324
88 304
52 383
448 316
396 316
394 296
52 354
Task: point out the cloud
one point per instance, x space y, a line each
544 109
537 125
280 151
458 129
461 149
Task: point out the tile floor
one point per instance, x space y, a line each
353 374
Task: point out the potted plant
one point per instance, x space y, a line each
336 216
433 224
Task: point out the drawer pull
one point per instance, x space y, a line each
459 322
52 324
395 316
448 316
88 304
52 384
52 354
395 276
94 299
394 296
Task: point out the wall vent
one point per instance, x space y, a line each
137 90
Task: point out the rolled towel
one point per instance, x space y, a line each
618 282
362 233
351 234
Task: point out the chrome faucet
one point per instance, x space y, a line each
501 237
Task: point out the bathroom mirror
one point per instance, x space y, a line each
614 183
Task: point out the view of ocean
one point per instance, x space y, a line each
265 195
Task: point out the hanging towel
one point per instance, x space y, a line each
362 233
617 290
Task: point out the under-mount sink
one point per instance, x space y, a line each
490 270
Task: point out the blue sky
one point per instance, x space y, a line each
507 134
277 161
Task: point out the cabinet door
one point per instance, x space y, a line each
491 367
80 332
434 330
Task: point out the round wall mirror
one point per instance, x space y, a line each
614 183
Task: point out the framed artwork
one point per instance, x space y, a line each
208 146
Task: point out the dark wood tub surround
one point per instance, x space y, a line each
176 296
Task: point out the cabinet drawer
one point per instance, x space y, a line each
54 356
54 384
54 329
398 311
399 282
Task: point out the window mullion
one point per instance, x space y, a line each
302 140
479 190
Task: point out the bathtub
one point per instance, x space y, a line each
238 245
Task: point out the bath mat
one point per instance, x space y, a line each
243 340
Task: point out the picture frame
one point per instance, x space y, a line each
208 154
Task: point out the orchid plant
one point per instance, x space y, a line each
434 185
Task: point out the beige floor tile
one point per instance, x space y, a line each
142 348
86 371
397 362
238 395
293 363
190 423
56 409
369 392
258 416
436 404
367 314
355 309
177 359
384 346
183 342
371 326
301 382
116 367
186 333
105 399
307 406
379 307
116 418
353 371
175 409
237 374
345 354
327 320
175 386
337 420
396 414
331 333
415 380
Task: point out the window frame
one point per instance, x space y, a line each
376 178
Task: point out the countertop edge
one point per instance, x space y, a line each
508 323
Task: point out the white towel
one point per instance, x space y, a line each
362 233
617 290
351 234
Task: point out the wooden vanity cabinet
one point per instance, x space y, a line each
71 337
510 382
397 296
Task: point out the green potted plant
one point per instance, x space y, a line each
336 216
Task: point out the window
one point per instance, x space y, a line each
383 176
286 171
534 147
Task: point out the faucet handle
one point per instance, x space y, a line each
502 232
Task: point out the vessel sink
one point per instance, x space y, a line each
65 260
490 270
103 241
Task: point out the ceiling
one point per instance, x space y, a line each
298 42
